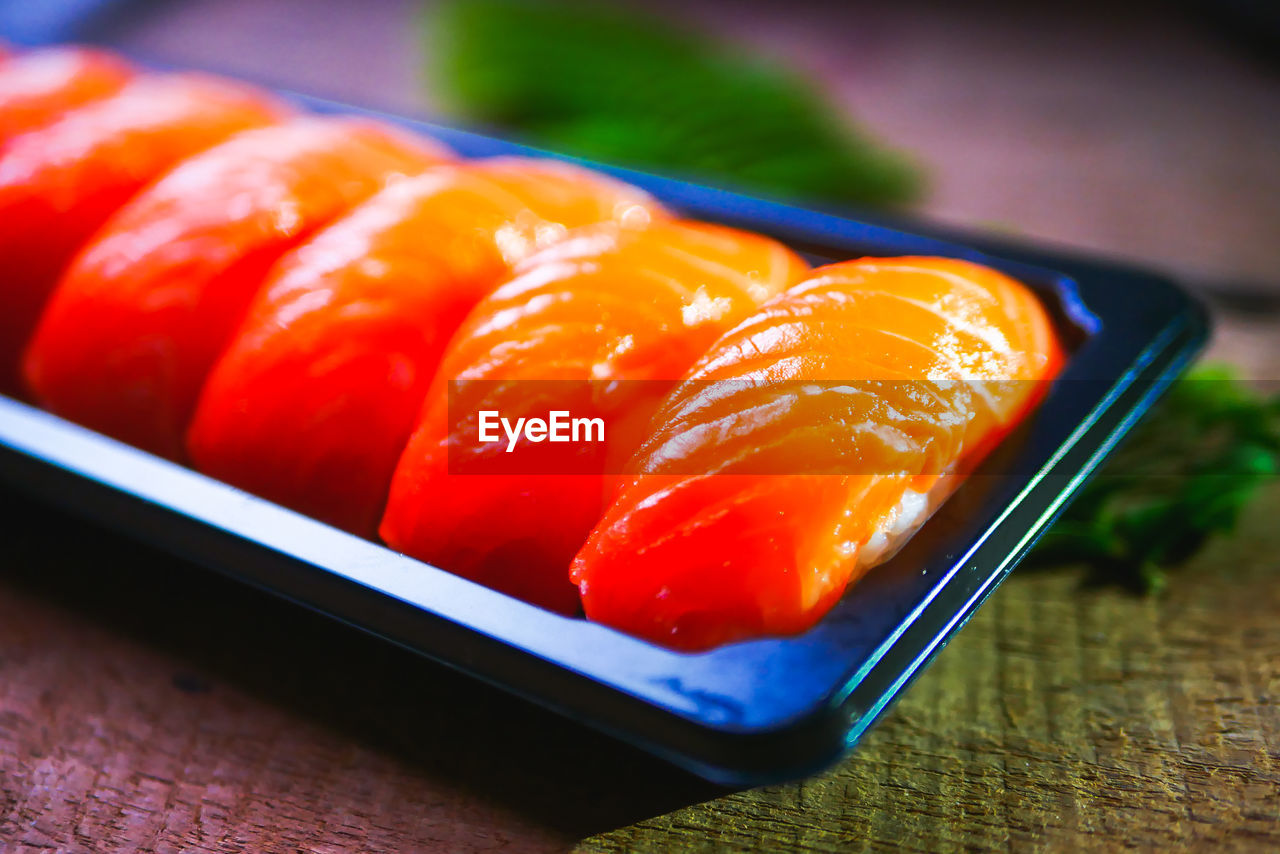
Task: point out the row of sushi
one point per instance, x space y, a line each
284 302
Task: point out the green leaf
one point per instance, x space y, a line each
617 85
1184 475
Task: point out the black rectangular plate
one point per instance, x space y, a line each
744 714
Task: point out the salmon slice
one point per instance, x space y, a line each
141 315
60 183
41 85
808 443
314 400
591 327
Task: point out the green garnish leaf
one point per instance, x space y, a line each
1184 474
617 85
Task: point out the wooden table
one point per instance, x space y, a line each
148 705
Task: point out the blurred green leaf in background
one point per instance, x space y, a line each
1183 475
614 84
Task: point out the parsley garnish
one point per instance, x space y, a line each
620 86
1183 475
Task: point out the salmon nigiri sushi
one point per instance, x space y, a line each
141 315
39 86
590 326
315 397
808 443
59 183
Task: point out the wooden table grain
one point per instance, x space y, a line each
148 705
